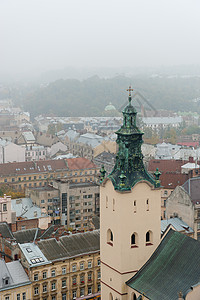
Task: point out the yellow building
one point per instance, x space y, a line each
40 173
64 269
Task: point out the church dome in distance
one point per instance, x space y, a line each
110 107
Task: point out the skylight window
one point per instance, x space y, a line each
33 261
49 167
29 250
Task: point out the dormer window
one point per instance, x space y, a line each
5 280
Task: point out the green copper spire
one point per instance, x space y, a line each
129 168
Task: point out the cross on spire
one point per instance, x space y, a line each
129 96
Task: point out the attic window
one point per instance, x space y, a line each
29 250
33 261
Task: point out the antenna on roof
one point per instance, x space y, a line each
36 233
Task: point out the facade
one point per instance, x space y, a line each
47 198
41 173
65 269
129 195
6 213
184 203
10 152
79 202
35 153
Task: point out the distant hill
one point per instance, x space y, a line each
72 97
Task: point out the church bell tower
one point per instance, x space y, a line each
130 211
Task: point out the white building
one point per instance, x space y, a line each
10 152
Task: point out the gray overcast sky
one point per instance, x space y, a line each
53 34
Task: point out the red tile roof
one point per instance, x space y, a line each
80 163
189 144
43 166
170 180
166 165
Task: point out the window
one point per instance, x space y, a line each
19 179
53 297
109 237
74 294
4 207
99 287
82 278
13 179
35 277
74 280
149 238
18 296
63 270
147 204
44 275
82 292
89 276
133 296
36 290
24 178
89 264
63 283
34 177
53 286
165 192
42 201
113 204
99 275
82 266
7 297
44 288
89 290
5 180
53 273
64 296
164 203
74 268
134 240
134 206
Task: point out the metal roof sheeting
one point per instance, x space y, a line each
173 267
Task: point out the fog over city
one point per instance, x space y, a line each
37 36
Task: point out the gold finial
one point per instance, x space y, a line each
129 90
129 96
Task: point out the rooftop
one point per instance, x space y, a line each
14 273
71 246
173 267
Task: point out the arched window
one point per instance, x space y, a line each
134 240
110 296
134 206
113 204
109 237
149 238
147 204
106 201
133 296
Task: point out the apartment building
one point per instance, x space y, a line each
79 202
40 173
68 203
64 269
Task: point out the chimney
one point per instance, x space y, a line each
180 296
191 159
